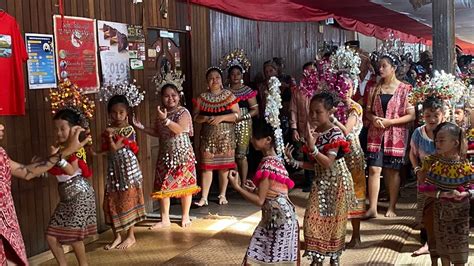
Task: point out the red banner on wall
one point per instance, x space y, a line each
76 51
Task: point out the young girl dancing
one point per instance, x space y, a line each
75 215
448 177
332 192
124 204
275 240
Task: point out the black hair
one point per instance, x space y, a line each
392 59
307 64
279 61
262 129
212 69
235 67
454 130
327 99
117 99
69 115
433 103
169 85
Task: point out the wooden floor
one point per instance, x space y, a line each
220 235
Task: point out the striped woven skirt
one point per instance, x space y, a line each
75 215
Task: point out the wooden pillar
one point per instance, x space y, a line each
443 35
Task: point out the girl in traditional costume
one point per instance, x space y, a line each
217 111
75 215
237 64
342 80
449 179
421 146
12 248
175 173
124 204
275 240
389 113
332 193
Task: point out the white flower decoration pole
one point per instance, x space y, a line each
272 113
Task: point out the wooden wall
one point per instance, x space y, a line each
31 134
297 43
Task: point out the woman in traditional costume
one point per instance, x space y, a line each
217 110
237 64
175 173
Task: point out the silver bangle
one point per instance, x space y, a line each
438 193
315 152
62 163
167 122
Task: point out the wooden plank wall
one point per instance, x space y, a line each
297 43
31 134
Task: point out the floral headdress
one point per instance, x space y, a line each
309 83
172 78
338 84
272 113
235 58
442 85
69 96
347 60
129 90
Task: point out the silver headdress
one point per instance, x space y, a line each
171 78
129 90
272 113
236 58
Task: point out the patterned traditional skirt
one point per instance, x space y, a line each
217 147
124 204
275 240
243 133
175 174
75 216
451 228
355 161
325 217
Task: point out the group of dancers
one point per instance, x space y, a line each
320 114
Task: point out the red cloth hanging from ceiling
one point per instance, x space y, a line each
357 15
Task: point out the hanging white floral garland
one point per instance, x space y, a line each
272 113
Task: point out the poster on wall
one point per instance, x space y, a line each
136 47
113 50
41 63
76 51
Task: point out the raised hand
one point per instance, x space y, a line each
137 123
162 113
73 143
289 151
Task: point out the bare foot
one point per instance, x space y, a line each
390 213
186 223
160 225
370 214
354 243
112 245
130 241
421 251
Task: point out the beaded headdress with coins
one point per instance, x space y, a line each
235 58
69 96
129 90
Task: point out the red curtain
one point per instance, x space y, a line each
357 15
